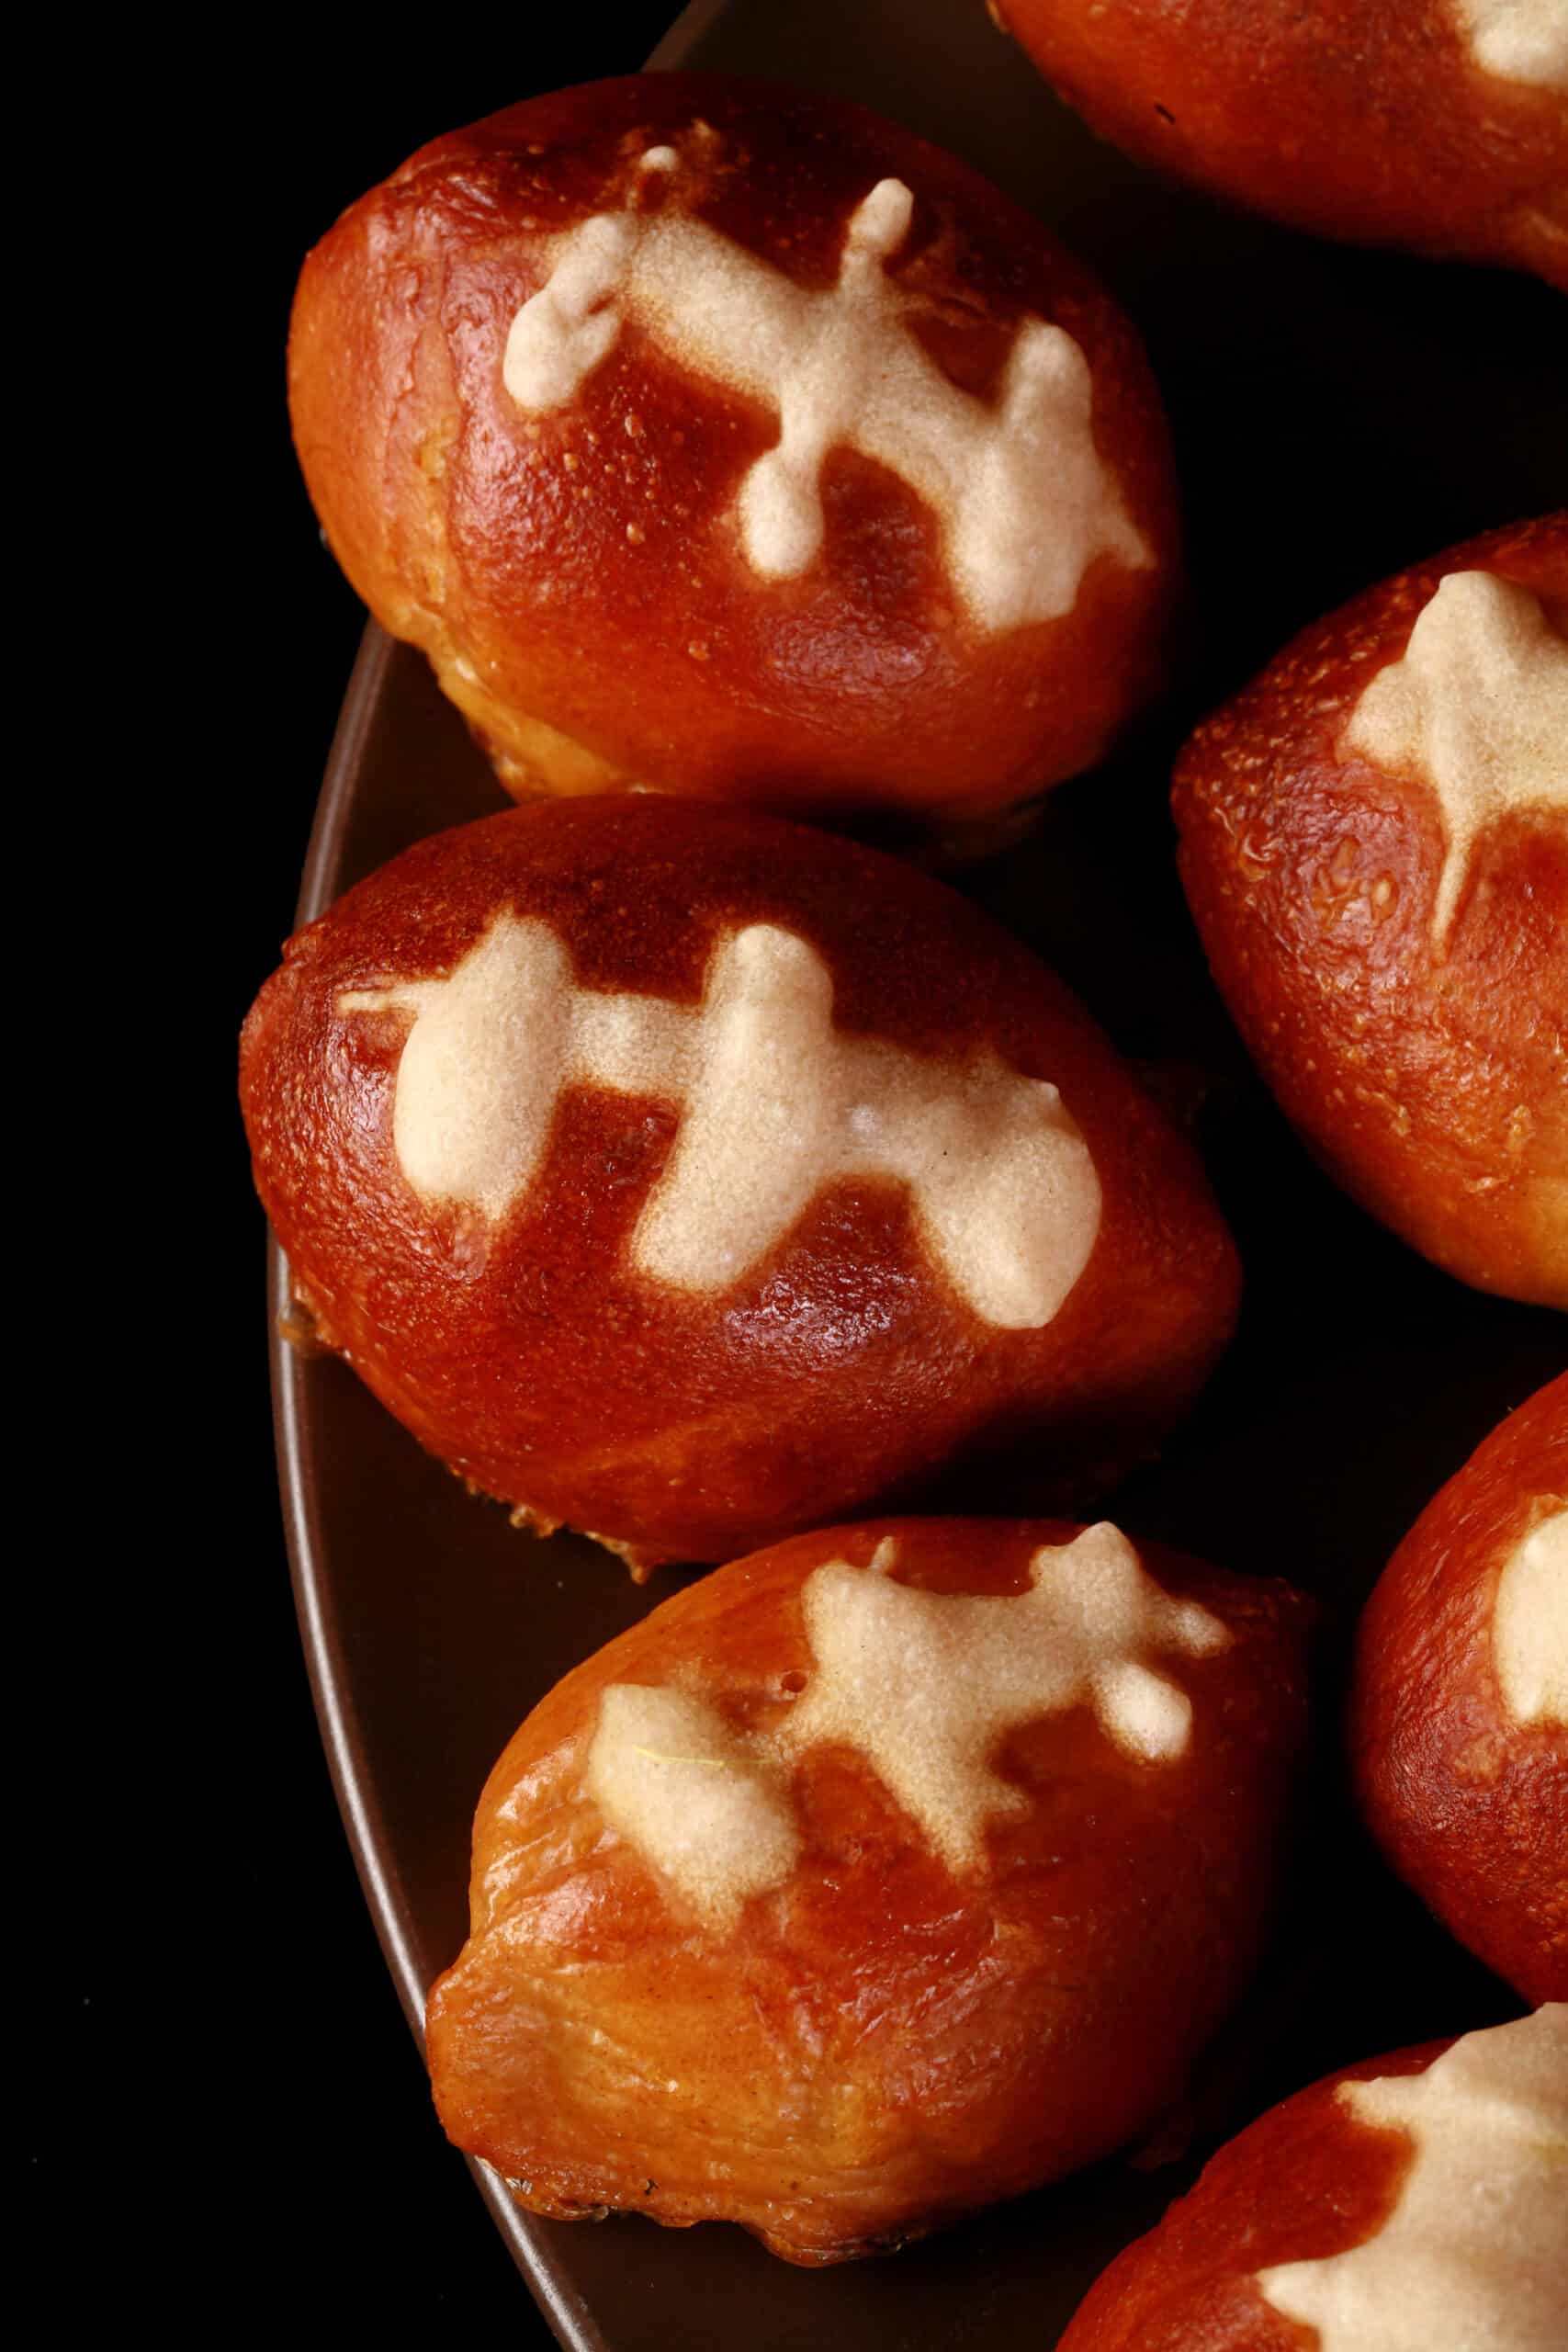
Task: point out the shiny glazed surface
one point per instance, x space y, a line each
880 2042
1424 1061
1374 120
576 576
1470 1804
1411 2199
533 1355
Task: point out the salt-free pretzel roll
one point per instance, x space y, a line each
692 1178
720 439
1374 844
1417 2201
1459 1720
895 1869
1441 125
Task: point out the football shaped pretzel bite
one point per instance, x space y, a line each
1459 1720
720 439
1374 845
897 1868
692 1178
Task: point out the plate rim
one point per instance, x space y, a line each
363 1819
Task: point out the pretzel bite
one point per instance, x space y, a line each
693 1178
1413 2204
897 1868
1374 845
1441 125
719 439
1459 1719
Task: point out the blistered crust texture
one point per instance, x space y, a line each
1408 2203
728 441
1458 1741
626 1150
1374 845
738 1952
1441 125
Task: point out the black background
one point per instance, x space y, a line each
232 2125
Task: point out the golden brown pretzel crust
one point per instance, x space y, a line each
1427 1073
1306 2181
576 578
539 1364
878 2046
1470 1806
1368 119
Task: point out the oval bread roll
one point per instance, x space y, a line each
1459 1719
1441 125
692 1178
719 439
1374 845
892 1870
1416 2200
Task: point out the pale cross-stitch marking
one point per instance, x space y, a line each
1479 704
776 1104
1474 2254
1023 501
926 1686
1519 41
702 1809
1529 1625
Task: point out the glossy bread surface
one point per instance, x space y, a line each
883 2034
1408 122
669 1408
1463 1776
1411 2199
1394 954
563 509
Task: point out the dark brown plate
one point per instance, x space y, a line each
1336 416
